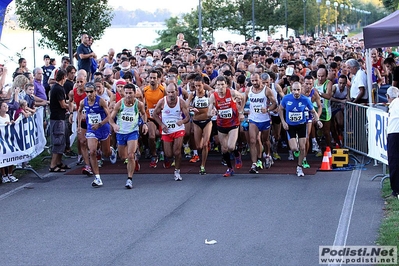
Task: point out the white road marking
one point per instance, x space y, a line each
14 191
347 209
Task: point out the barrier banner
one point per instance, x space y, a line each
22 140
377 137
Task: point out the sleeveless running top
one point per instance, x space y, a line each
95 114
257 102
325 104
127 118
227 111
170 116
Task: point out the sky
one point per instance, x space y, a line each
175 6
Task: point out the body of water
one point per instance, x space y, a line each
16 43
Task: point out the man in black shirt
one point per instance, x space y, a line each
58 107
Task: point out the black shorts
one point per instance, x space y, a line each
83 124
226 130
275 120
298 130
202 123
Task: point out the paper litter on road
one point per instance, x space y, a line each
210 242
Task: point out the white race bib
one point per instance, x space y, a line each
226 113
171 124
295 116
94 118
258 108
127 116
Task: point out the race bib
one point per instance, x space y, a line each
171 124
258 108
201 103
128 117
295 116
226 113
151 111
94 118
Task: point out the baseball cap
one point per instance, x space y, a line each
392 92
46 56
66 58
121 82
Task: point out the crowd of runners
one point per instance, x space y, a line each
253 97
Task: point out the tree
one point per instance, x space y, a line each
50 19
391 5
174 26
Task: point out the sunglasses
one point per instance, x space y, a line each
89 91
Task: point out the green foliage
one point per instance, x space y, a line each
391 5
174 26
50 19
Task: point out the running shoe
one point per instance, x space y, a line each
126 161
166 164
224 162
268 162
299 171
12 178
290 156
161 156
253 169
229 172
178 176
173 163
319 153
100 163
202 170
87 170
296 153
97 182
276 156
259 164
305 164
129 184
154 161
137 166
284 144
80 160
238 161
315 146
112 158
5 179
194 159
187 151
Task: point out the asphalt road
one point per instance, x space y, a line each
255 219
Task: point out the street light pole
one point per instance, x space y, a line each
318 5
304 18
286 19
253 20
199 23
336 16
328 19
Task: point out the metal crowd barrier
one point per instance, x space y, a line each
355 128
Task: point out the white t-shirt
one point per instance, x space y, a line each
359 80
393 117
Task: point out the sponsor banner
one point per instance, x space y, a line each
23 140
377 137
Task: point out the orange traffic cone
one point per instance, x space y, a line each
328 150
325 164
